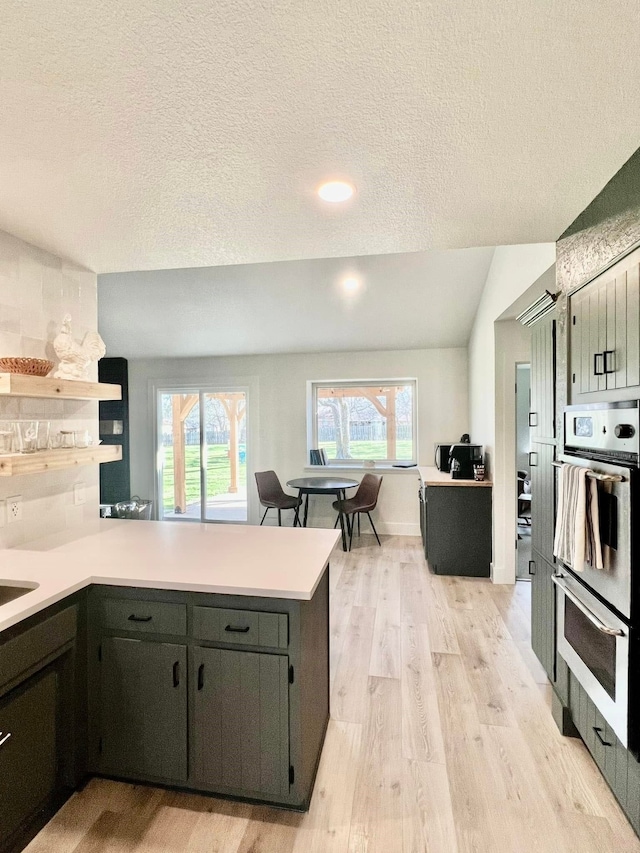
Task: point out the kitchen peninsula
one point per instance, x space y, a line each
195 656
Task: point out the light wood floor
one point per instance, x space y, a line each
441 740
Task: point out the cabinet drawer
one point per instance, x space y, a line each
241 627
36 644
150 617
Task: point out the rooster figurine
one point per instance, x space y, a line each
75 357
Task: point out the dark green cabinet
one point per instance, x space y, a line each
223 694
605 333
543 498
542 414
41 719
28 752
458 529
241 721
143 707
543 613
617 764
542 418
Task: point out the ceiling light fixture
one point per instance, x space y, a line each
350 284
336 191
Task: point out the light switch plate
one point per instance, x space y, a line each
79 494
3 513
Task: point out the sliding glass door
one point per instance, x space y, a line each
202 455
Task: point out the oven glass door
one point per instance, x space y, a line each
613 582
595 644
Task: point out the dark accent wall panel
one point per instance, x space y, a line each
115 478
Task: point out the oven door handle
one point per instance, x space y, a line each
599 624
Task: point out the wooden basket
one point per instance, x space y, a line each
26 366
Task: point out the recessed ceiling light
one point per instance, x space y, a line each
350 284
336 191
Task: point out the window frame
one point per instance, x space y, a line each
312 419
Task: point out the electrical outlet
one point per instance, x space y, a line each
3 514
14 509
78 494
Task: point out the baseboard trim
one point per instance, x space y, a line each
384 528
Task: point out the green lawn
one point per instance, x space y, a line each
218 474
218 468
369 449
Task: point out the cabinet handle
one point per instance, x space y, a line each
232 629
609 355
532 566
176 674
533 419
5 738
604 742
596 356
201 676
134 618
532 463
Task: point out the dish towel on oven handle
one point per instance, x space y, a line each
577 539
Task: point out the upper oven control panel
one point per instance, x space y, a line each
607 431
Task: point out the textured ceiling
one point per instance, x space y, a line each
158 134
420 299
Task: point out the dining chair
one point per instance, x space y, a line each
273 496
364 501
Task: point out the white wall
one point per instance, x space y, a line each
36 290
514 270
277 424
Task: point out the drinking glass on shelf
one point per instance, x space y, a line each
67 439
44 429
6 437
27 436
82 438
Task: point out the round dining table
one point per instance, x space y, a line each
337 486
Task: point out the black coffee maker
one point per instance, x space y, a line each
462 457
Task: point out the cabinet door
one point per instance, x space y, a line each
543 498
543 613
28 767
605 332
241 721
144 709
543 373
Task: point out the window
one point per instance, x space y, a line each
363 420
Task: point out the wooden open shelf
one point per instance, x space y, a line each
56 460
18 385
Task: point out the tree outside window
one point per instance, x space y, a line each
368 420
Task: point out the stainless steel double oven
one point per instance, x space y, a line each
598 612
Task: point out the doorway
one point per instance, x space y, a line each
202 455
523 521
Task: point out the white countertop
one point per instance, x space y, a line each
434 477
270 562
